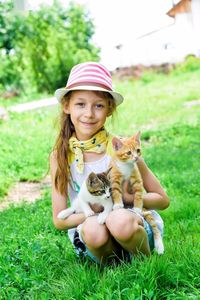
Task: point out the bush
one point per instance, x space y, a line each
44 46
190 64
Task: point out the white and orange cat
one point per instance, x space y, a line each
95 189
124 167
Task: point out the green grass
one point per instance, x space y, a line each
159 103
38 262
25 144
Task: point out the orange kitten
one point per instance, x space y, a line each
123 164
124 167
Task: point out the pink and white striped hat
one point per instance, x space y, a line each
90 76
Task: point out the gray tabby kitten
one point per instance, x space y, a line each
95 189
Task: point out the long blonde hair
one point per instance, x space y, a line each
61 147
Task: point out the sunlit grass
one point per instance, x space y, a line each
38 262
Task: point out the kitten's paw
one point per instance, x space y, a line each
137 210
159 247
64 214
101 218
89 213
118 205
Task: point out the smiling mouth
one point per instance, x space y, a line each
87 123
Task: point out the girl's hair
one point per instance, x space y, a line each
61 147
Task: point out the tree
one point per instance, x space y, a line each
45 44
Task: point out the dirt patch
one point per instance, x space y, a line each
137 71
25 191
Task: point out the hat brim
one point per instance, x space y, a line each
59 93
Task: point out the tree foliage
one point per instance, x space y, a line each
39 48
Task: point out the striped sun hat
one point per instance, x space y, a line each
90 76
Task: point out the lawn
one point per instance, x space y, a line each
37 261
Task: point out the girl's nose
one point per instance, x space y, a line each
89 112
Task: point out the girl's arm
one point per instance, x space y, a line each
59 202
155 197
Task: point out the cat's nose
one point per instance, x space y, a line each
134 157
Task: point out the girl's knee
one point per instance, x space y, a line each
94 234
123 225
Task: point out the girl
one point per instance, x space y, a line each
83 146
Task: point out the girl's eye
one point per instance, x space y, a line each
128 153
99 105
80 104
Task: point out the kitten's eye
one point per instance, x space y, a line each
128 153
138 151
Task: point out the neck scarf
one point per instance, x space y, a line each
96 144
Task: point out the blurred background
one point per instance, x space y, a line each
41 40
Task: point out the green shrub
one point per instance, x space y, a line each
45 45
190 64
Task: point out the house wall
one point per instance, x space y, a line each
184 33
196 23
173 43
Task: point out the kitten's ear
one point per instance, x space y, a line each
117 144
137 137
107 172
92 178
92 175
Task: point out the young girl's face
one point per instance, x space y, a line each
88 111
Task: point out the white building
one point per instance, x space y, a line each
171 43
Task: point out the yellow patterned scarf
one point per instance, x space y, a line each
96 144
